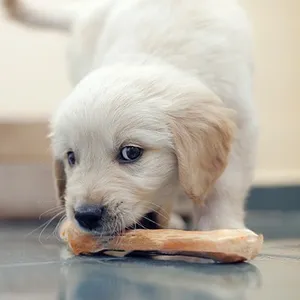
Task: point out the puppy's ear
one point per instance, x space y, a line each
60 180
202 133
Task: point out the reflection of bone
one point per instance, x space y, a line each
129 278
220 245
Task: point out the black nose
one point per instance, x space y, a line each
89 216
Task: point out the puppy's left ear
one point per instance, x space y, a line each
60 180
202 134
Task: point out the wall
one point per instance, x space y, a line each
277 86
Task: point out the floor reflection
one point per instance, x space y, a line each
135 279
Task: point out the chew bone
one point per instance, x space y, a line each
232 245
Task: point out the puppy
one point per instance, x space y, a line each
161 110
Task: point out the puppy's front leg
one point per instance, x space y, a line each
176 222
167 218
224 206
217 214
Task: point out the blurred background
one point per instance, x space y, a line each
34 79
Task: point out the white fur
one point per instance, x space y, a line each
137 64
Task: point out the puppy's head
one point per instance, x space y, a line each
127 140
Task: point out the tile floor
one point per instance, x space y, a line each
36 267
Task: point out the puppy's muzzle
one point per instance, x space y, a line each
94 218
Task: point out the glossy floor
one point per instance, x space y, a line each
39 267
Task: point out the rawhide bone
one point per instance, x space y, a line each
227 246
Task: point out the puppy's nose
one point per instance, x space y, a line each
89 216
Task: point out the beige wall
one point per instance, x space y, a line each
33 80
277 87
33 77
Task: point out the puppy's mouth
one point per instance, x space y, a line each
148 221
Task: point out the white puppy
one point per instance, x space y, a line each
162 108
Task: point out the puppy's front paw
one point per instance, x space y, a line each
176 222
208 223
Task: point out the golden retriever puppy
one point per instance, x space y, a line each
162 107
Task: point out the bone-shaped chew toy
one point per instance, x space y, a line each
227 246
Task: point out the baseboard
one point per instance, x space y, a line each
27 190
282 198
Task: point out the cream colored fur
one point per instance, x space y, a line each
172 76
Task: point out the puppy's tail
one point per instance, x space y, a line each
35 13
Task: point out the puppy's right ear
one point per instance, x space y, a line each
60 180
203 131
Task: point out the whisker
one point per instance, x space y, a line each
119 230
51 210
159 213
140 224
151 221
34 230
136 222
47 224
115 227
55 231
156 210
122 227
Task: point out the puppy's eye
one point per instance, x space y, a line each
130 154
71 158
